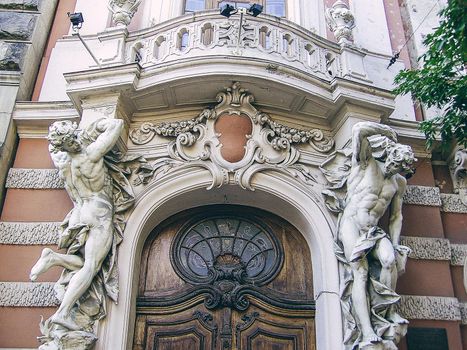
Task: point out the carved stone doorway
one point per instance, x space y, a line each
225 277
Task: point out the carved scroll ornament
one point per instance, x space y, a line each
268 144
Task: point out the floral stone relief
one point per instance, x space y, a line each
269 146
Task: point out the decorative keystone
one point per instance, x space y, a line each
341 22
123 11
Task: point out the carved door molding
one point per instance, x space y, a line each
225 277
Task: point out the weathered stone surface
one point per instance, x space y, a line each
12 55
16 26
463 309
427 248
458 254
29 233
34 178
27 294
422 195
452 203
417 307
29 5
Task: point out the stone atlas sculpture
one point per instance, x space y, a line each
367 180
94 177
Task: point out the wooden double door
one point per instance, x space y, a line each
223 278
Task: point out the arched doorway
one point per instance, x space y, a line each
225 277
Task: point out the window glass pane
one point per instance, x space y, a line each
235 4
194 5
275 7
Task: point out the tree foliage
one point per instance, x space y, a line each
442 79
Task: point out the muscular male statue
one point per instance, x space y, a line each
373 186
89 232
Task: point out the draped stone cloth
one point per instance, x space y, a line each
92 305
384 318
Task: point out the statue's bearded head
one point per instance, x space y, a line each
63 136
399 159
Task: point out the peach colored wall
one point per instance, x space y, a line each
19 326
28 205
33 153
16 262
426 277
423 173
455 227
421 221
457 273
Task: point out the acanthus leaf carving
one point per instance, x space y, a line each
340 21
271 145
123 10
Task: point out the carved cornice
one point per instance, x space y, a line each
458 254
27 294
452 203
417 307
34 179
428 248
29 233
422 195
463 310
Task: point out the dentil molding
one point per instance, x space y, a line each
27 294
33 179
418 307
29 233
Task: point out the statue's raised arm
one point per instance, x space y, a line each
108 131
361 148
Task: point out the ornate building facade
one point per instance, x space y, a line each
244 180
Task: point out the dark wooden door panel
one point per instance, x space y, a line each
176 311
259 328
191 329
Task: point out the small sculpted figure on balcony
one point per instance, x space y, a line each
365 184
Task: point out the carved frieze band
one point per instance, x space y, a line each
428 248
33 178
417 307
458 254
422 195
29 233
452 203
27 294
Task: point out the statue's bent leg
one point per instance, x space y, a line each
96 249
384 252
49 259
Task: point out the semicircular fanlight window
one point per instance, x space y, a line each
226 243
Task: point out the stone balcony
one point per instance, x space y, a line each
185 61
